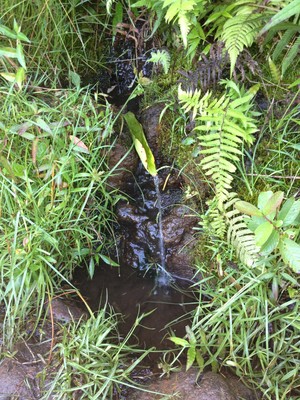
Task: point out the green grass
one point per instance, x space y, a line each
56 208
65 36
92 361
252 326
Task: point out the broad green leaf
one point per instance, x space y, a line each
295 83
10 77
247 208
191 355
290 252
108 260
273 203
9 52
288 11
263 232
297 145
20 55
289 212
7 32
271 243
23 37
263 198
140 143
179 341
287 205
43 125
20 77
18 169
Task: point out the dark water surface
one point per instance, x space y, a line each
132 294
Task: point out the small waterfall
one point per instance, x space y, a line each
162 278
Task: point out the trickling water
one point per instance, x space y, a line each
162 278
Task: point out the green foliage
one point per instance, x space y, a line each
291 9
140 143
192 346
17 52
274 71
238 32
184 13
53 194
63 36
222 125
91 364
275 227
251 326
239 235
288 43
161 57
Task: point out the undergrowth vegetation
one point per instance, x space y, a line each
56 207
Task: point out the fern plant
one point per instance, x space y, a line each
184 13
222 126
239 32
161 57
239 235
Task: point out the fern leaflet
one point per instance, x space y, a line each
238 32
222 125
161 57
240 236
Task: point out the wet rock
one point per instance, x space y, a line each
63 311
128 213
17 381
150 121
126 165
179 241
187 385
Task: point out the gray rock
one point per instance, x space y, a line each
187 386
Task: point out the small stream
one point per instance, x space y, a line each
162 277
153 278
143 284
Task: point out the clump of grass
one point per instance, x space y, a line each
65 36
252 326
93 362
56 209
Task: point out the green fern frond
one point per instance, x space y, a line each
240 236
224 129
222 125
238 32
161 57
274 71
179 10
214 221
190 100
